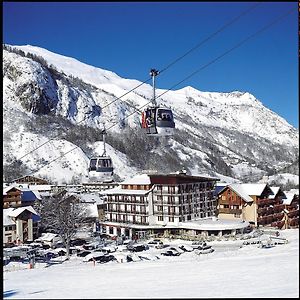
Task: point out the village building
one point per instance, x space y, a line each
98 207
164 205
30 180
19 225
259 204
15 196
291 210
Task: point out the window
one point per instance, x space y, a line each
159 208
160 218
8 228
171 219
171 210
160 198
171 189
111 230
171 199
159 188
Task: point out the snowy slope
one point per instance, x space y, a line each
229 272
229 133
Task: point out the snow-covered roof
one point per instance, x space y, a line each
253 189
24 189
48 237
92 210
6 216
239 189
289 198
92 198
10 187
40 187
138 179
16 212
275 190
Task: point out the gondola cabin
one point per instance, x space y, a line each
100 169
158 121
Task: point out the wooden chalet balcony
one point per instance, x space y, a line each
265 201
265 211
229 211
278 216
294 222
278 208
12 199
220 201
294 213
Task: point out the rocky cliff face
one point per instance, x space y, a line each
50 96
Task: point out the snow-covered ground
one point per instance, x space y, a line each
247 272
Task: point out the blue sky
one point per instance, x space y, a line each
130 38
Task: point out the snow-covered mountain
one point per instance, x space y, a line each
50 96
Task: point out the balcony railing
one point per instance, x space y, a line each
229 211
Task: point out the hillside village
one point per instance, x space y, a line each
130 204
152 206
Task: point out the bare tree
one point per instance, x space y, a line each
62 214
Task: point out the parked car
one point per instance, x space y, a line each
91 246
155 242
162 246
147 256
106 258
177 249
133 257
50 254
120 257
83 253
109 249
78 242
170 253
204 250
196 245
93 256
137 247
186 248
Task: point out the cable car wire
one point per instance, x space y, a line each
192 74
219 57
211 36
164 69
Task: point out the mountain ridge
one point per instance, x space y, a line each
206 122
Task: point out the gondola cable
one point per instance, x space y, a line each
164 69
192 74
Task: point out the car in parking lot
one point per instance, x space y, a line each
83 253
170 253
186 248
94 256
106 258
155 242
176 249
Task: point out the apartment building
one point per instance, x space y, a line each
156 203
